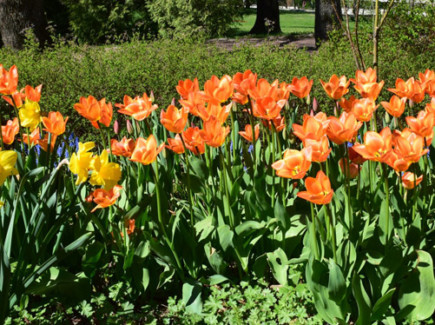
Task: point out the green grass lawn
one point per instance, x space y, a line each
292 22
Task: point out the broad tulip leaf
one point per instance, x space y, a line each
362 300
279 264
225 237
385 222
417 293
381 306
192 297
336 283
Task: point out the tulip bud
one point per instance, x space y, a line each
312 113
173 102
411 103
308 99
116 127
152 96
387 117
129 127
315 104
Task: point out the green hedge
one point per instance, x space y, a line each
69 71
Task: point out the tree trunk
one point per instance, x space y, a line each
17 17
326 18
267 21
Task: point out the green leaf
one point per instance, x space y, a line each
279 264
192 297
417 293
362 300
381 306
385 221
337 283
225 237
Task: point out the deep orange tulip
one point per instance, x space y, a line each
33 138
429 88
185 87
336 87
95 111
376 145
352 168
278 123
146 151
409 180
430 107
243 82
247 134
355 157
396 106
217 91
9 131
130 225
214 133
218 111
124 148
176 144
363 109
300 87
411 89
367 77
294 164
320 148
8 80
104 198
174 119
312 128
283 93
139 108
264 89
194 103
426 76
54 123
193 140
347 105
28 92
319 189
409 145
343 129
44 142
267 108
422 124
396 161
369 90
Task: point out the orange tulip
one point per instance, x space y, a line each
429 87
217 90
409 180
363 109
267 108
54 123
9 131
336 87
193 140
320 148
104 198
428 75
264 89
278 123
318 189
33 138
30 93
247 134
174 119
194 103
283 93
176 144
219 112
367 77
409 145
411 89
395 107
396 161
312 128
422 124
95 111
355 157
130 224
430 107
8 80
214 133
376 145
243 82
343 129
352 168
369 90
185 87
300 87
124 148
146 151
294 164
347 105
44 142
139 108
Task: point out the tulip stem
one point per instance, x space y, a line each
1 133
186 155
162 225
273 160
387 196
313 233
347 177
333 239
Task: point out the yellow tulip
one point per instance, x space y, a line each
30 114
8 158
104 173
80 162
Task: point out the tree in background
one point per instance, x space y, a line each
328 16
267 21
17 17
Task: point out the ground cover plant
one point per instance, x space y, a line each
237 178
